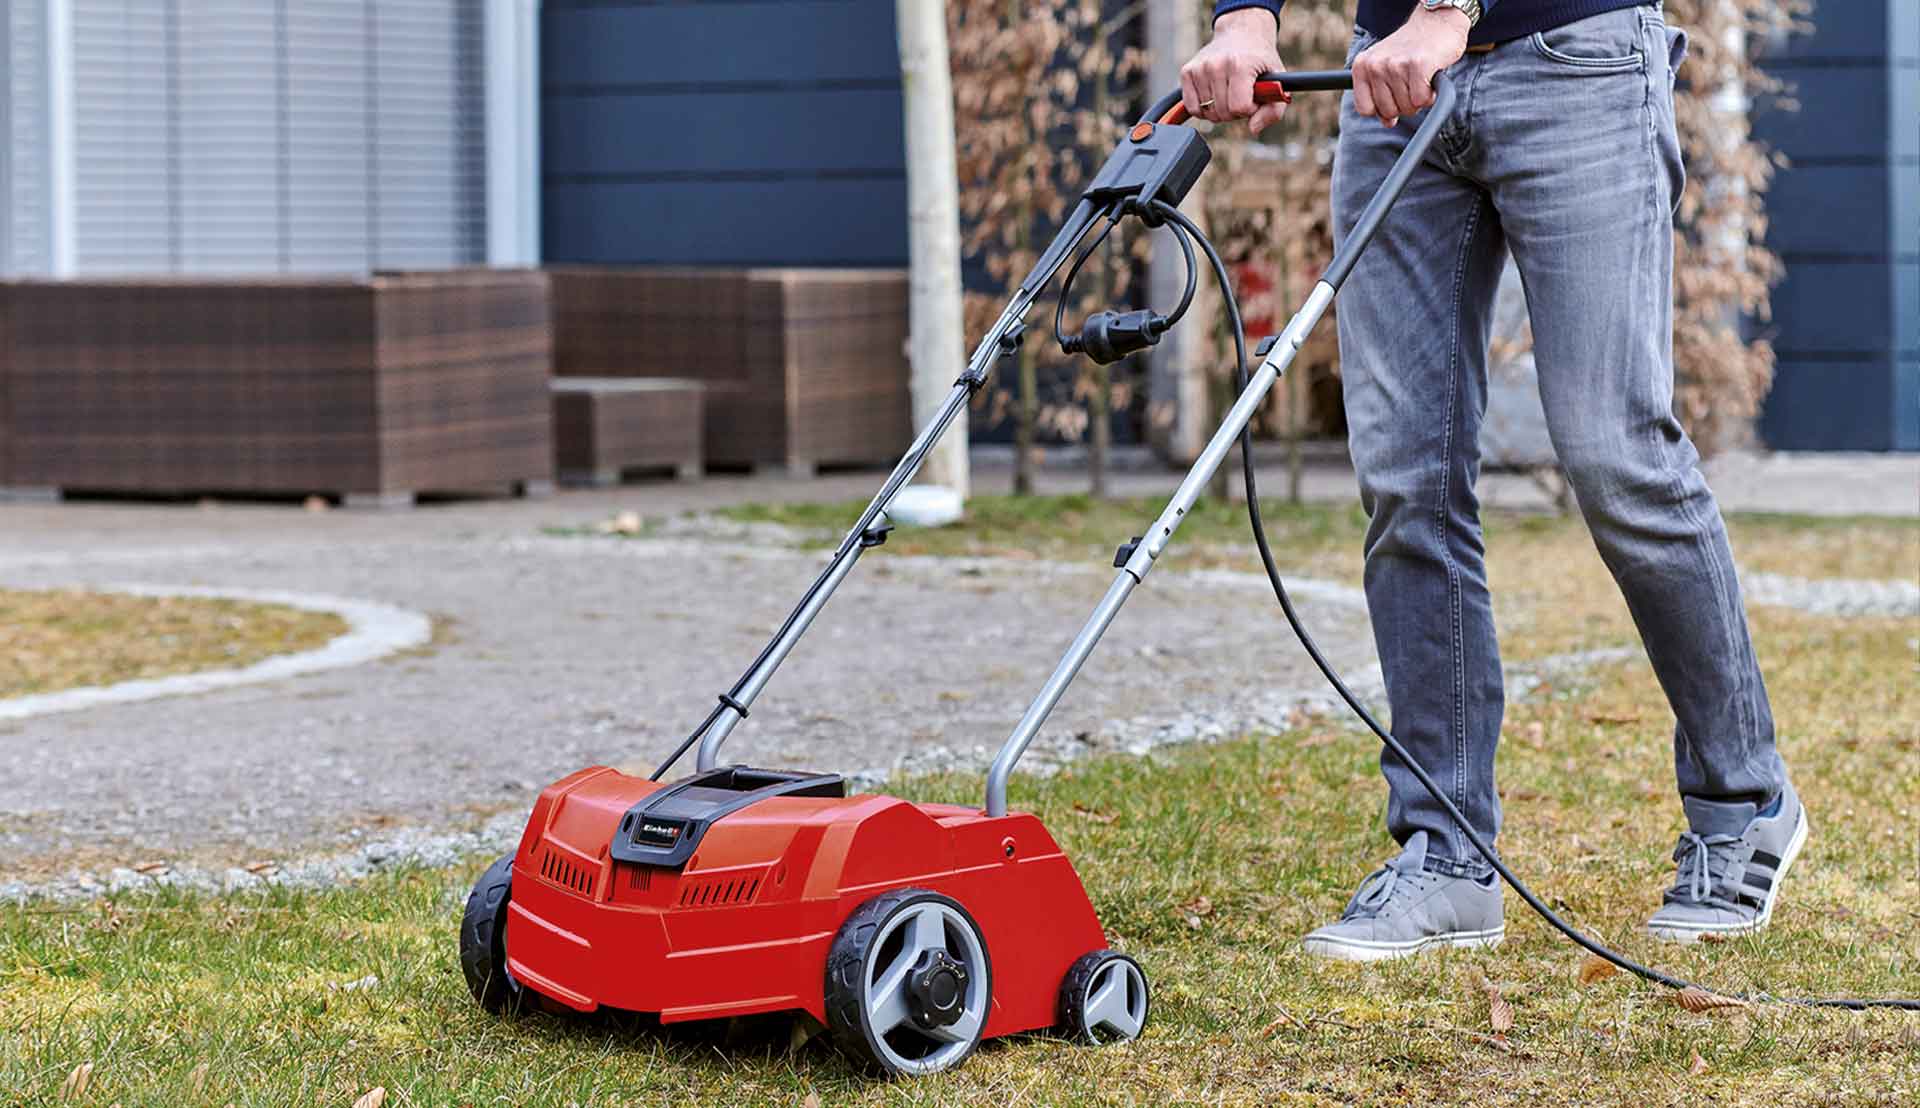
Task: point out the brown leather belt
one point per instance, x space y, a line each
1483 47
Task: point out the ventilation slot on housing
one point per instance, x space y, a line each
719 892
564 872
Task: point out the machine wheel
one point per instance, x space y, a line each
1104 999
483 941
908 983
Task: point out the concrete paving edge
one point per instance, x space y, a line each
373 631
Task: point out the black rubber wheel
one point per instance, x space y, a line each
909 984
483 941
1104 999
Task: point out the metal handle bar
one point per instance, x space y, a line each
1276 362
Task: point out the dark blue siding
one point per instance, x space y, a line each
1845 219
729 132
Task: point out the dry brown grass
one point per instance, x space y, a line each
66 638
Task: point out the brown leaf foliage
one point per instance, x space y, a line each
1023 75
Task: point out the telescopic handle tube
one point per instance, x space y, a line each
1224 438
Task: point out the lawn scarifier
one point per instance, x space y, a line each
913 931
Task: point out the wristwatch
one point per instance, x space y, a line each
1470 7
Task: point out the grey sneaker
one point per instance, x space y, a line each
1728 884
1403 908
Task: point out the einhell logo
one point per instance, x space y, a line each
650 833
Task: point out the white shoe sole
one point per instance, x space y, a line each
1366 950
1694 932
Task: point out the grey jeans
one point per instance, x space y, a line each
1562 151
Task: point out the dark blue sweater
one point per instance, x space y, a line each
1503 19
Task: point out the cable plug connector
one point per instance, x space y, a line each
1109 336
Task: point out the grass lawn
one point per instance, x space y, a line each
1207 863
63 638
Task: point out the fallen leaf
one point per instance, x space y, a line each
373 1098
262 869
1198 906
1696 999
1087 813
1499 1011
75 1086
1699 1065
152 869
1613 717
623 523
811 1100
197 1080
1595 968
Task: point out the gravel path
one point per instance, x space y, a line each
558 652
555 652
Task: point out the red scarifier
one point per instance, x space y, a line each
913 931
745 927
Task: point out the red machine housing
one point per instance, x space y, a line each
745 926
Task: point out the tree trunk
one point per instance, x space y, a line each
936 340
1099 377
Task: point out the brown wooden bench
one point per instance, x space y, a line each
607 427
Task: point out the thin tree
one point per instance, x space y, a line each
935 344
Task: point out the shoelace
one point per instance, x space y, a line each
1376 892
1696 876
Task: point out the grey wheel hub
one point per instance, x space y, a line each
1116 1000
936 990
926 988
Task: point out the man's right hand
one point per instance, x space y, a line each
1217 84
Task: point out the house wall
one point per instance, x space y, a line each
753 132
1845 218
245 136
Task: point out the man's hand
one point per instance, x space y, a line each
1394 77
1218 83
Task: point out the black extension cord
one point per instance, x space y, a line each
1184 226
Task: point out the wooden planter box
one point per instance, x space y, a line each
371 389
604 427
802 367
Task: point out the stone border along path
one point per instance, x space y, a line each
1240 711
374 631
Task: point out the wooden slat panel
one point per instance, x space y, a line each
810 222
722 132
712 43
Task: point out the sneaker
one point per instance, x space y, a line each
1403 908
1728 884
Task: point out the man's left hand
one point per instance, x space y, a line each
1394 77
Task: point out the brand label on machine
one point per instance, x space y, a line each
656 833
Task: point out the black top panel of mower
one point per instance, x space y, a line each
664 829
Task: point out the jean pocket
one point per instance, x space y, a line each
1676 53
1361 40
1605 43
